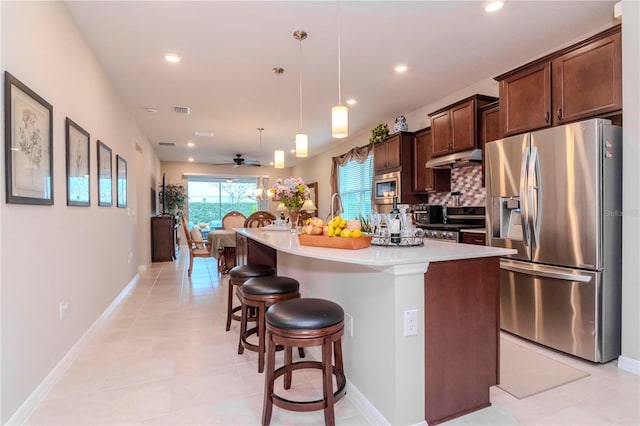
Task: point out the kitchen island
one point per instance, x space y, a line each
443 371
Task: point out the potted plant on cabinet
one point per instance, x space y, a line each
172 197
378 133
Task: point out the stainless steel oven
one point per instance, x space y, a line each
385 187
456 219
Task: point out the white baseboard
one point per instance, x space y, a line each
27 408
142 268
629 364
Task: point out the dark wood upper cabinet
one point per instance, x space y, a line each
441 130
526 100
581 81
588 81
488 128
427 180
454 127
386 154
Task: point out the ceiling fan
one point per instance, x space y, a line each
239 161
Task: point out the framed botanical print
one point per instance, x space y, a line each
105 176
28 144
121 182
78 176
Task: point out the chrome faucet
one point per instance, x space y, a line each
333 198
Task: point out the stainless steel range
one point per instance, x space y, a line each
455 219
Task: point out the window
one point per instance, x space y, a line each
211 198
354 186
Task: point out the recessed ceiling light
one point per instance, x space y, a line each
150 110
351 102
208 134
191 144
172 58
494 6
190 159
401 68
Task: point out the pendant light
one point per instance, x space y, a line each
260 192
278 159
339 113
278 154
302 140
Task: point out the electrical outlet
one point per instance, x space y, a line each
348 324
130 258
411 322
63 307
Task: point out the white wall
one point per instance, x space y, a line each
51 253
630 179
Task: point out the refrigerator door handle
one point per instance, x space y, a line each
524 214
546 273
533 195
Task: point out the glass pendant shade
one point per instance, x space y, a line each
278 159
339 121
301 145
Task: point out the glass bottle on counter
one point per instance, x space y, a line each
394 222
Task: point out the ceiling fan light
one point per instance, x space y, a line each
339 121
302 145
278 159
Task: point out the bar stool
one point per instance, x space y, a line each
304 323
260 293
237 276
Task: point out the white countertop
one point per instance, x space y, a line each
432 251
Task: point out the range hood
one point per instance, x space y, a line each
457 159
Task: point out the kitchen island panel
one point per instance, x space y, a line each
462 336
386 367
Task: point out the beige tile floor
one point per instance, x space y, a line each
163 358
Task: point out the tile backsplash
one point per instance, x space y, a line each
466 180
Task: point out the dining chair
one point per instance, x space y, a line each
233 219
259 219
196 248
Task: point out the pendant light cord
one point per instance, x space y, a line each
301 84
339 60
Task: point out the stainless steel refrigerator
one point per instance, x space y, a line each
555 195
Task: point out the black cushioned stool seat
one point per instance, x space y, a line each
237 276
260 293
305 323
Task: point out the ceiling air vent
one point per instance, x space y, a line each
182 110
167 144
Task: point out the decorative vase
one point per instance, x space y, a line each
294 214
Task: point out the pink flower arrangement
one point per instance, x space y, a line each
292 192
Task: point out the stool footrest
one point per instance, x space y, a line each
314 405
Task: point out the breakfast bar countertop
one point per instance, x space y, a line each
376 286
374 256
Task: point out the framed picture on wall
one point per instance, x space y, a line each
28 144
78 176
121 182
105 179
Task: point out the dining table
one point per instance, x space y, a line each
222 244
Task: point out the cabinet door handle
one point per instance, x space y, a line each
546 117
560 113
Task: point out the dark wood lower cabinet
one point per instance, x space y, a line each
461 336
474 238
163 238
251 252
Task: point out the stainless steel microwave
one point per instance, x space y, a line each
385 187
